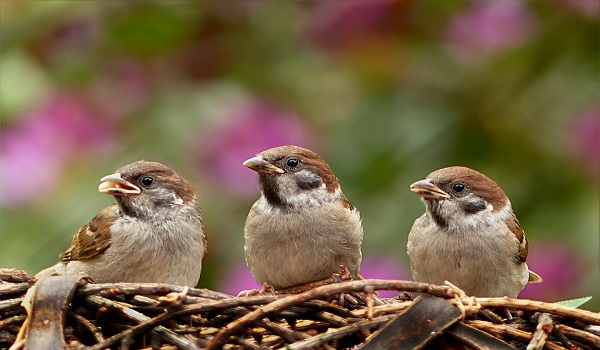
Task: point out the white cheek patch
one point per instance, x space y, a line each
293 195
167 198
463 221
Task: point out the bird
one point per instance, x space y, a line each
302 228
152 234
469 235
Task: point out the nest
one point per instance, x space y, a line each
73 312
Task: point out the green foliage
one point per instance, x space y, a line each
575 303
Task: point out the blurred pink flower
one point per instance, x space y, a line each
248 128
585 139
236 279
562 269
487 27
586 8
34 150
340 24
382 267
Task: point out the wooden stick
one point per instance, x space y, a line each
539 306
503 331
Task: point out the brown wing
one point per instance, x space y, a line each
93 238
515 227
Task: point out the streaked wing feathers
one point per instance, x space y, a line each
92 239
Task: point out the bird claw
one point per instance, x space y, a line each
267 289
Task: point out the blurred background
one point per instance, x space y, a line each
385 91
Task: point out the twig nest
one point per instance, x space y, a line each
138 315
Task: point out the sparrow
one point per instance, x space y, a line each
152 234
302 228
469 235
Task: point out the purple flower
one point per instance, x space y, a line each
34 150
487 27
248 128
561 268
585 139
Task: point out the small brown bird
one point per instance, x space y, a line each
469 235
302 228
152 234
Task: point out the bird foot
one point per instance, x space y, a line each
267 289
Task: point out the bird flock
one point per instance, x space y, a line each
301 230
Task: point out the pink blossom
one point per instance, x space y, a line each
248 128
487 27
34 150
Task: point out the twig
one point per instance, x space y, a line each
539 306
14 288
88 325
332 319
508 331
581 336
383 309
146 288
15 276
12 320
543 328
561 336
282 331
247 344
11 304
338 333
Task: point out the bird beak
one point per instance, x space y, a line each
260 165
427 189
115 185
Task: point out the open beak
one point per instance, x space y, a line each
260 165
427 189
115 185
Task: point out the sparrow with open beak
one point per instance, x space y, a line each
302 228
469 235
153 233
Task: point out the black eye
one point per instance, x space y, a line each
147 181
292 162
458 187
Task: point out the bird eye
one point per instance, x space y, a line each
458 187
292 162
147 181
